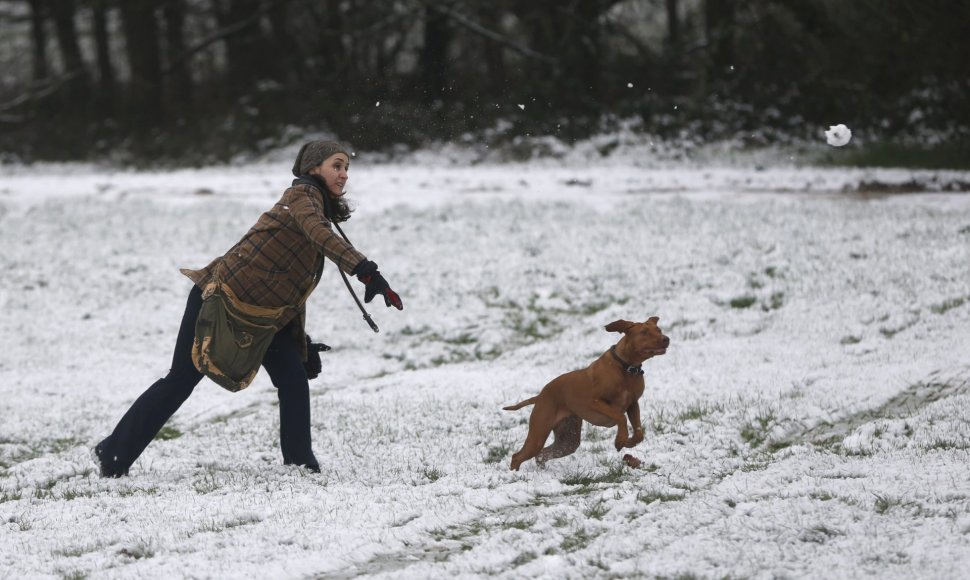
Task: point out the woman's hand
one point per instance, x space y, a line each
375 284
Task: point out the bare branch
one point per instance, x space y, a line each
488 34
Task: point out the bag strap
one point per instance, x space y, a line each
370 321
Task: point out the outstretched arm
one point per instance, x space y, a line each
307 208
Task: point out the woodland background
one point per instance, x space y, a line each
177 82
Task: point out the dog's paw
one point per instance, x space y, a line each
632 461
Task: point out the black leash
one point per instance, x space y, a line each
370 321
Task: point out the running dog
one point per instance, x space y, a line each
599 394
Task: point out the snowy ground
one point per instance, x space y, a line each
809 420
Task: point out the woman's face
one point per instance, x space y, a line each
333 172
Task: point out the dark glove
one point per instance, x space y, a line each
375 284
313 364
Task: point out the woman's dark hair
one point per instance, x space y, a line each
338 209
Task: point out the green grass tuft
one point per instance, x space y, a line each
166 433
742 302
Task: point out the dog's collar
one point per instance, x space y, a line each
627 367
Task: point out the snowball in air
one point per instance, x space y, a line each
838 135
522 107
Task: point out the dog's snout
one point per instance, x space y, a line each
666 341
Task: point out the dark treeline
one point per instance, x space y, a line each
201 80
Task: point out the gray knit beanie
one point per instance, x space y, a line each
314 153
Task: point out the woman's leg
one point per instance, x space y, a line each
153 408
285 368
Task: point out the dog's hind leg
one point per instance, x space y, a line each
540 426
567 432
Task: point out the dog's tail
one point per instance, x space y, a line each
518 406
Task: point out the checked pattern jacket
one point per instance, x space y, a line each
279 261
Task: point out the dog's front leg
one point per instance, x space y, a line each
622 433
633 412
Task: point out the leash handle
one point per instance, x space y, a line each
367 318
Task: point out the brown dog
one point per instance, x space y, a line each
600 394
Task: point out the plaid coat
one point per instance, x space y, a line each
279 261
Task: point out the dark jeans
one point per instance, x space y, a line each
153 408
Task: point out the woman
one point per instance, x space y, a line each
277 263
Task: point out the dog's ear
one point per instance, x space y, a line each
653 319
619 326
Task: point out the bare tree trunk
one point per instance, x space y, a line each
588 48
719 23
434 54
173 12
142 47
494 54
38 39
107 82
287 51
247 58
674 40
674 57
78 86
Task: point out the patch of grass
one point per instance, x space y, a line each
775 301
659 423
752 435
78 550
498 453
206 484
947 444
140 550
523 558
614 474
819 534
742 302
597 510
756 432
74 493
847 340
167 432
63 444
774 446
752 466
885 503
132 490
698 411
654 496
519 524
578 540
891 332
72 574
432 474
217 526
948 305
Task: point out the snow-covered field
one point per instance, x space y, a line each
809 420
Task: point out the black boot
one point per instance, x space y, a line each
106 466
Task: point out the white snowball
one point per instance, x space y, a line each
838 135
